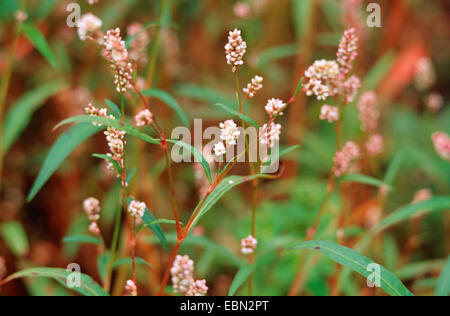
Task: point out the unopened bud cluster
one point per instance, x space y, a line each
235 49
254 86
229 133
116 53
183 281
248 245
92 208
441 143
343 158
137 209
131 288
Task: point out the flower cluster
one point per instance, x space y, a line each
183 281
229 133
351 87
248 245
131 288
375 145
20 16
198 288
89 27
114 137
254 86
136 209
425 76
235 49
347 52
138 46
91 2
322 79
144 117
92 208
434 102
343 158
368 113
325 78
329 113
270 135
275 107
441 143
116 53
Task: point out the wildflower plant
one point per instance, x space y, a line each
137 161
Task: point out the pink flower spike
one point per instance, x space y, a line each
347 52
329 113
441 143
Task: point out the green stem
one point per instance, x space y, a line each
154 47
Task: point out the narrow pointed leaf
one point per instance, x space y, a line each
131 130
39 42
443 285
88 287
435 204
170 101
360 178
65 144
20 113
243 274
82 239
358 263
199 157
237 114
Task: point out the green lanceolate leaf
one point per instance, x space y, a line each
243 274
443 285
111 160
40 43
223 187
206 94
360 178
15 238
65 144
20 113
170 101
148 219
123 126
237 114
282 153
379 71
435 204
114 108
82 239
358 263
88 287
299 86
198 156
128 262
